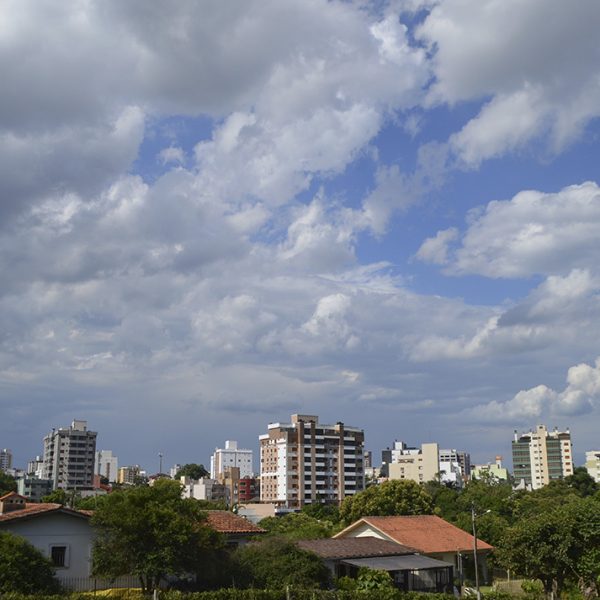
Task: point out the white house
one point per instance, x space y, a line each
62 534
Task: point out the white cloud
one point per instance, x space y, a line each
537 71
532 233
435 250
580 396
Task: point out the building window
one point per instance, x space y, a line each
59 556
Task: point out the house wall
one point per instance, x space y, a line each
56 529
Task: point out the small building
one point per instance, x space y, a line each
34 489
429 535
236 529
410 571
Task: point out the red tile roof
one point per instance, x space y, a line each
11 495
361 547
429 534
33 510
224 521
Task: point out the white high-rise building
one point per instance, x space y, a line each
306 462
231 456
70 456
5 459
107 465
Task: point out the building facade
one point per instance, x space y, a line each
307 462
231 456
592 464
107 465
5 459
542 456
69 456
129 475
494 471
417 464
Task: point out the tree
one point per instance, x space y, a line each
582 482
193 471
556 545
298 526
7 483
57 496
402 497
23 568
151 532
275 563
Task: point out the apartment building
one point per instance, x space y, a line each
494 471
107 465
306 462
417 464
592 464
5 459
231 456
129 475
69 457
541 456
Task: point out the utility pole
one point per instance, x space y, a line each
160 457
473 517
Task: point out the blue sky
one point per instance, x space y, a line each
214 215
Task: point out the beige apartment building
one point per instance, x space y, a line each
592 464
418 464
541 456
306 462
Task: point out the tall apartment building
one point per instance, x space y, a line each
306 462
231 456
5 459
107 465
69 456
540 456
35 467
129 475
592 464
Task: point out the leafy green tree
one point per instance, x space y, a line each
390 498
556 545
151 532
298 526
212 504
7 483
193 471
23 568
373 579
582 482
323 512
275 563
58 496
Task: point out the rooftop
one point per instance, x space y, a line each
362 547
224 521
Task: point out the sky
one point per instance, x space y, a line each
216 214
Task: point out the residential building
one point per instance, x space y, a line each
69 456
5 459
410 572
231 456
459 460
236 530
494 471
417 464
205 489
306 462
129 475
428 535
540 456
107 465
35 467
592 464
34 489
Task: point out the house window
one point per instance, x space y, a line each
59 556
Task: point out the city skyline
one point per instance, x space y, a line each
214 215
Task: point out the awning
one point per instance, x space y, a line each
410 562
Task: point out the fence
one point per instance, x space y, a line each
92 584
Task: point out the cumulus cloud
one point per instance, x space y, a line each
580 396
532 233
435 249
538 72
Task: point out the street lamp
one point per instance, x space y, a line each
473 517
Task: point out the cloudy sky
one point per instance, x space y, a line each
216 214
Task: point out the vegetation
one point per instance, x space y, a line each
275 563
7 483
298 526
23 568
151 532
193 471
390 498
